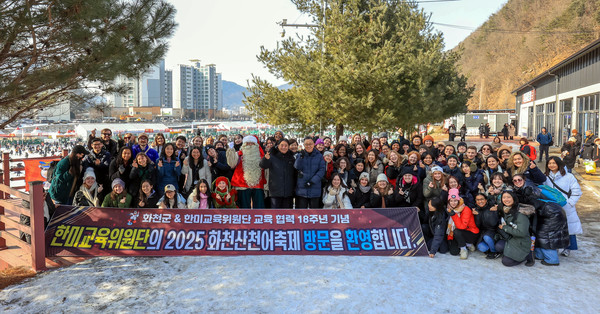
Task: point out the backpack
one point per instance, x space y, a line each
532 153
51 168
550 194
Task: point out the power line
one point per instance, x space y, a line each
512 31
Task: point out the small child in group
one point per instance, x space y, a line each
223 195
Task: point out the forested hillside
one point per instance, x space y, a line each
520 41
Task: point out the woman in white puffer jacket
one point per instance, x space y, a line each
566 183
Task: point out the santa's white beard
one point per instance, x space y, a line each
251 164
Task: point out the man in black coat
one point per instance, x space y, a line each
110 145
282 174
99 160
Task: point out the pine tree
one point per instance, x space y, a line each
52 50
369 65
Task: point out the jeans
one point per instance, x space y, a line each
548 255
305 203
543 149
487 244
573 240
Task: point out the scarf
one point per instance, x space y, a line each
90 194
339 192
203 201
451 226
364 189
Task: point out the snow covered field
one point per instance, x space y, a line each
276 284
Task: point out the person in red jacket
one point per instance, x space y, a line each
461 226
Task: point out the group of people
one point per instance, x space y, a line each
468 198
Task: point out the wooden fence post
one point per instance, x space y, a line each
2 225
6 171
38 240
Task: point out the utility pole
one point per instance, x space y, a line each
481 92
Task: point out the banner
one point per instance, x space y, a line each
92 231
36 169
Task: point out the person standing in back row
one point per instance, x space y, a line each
545 140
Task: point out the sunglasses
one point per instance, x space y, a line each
127 137
517 180
107 134
485 148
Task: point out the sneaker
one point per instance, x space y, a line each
565 252
530 263
548 264
489 255
496 255
471 247
464 253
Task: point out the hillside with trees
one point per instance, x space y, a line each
522 40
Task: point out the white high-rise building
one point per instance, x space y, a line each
148 90
198 88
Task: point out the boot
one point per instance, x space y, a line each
464 254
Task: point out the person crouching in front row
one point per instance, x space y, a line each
462 229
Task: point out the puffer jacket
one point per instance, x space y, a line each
487 221
455 173
552 230
62 182
571 157
168 174
331 201
359 199
438 223
282 175
139 174
311 170
567 183
518 244
187 171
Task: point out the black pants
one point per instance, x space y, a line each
281 202
543 148
463 237
304 203
505 136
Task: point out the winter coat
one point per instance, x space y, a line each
219 167
373 173
187 171
534 176
281 173
80 198
487 174
376 200
150 152
195 204
473 181
571 157
101 170
456 172
359 199
412 193
544 139
179 203
168 174
151 202
518 244
464 220
62 182
430 193
596 155
568 182
347 177
311 170
463 131
116 203
331 201
438 224
588 147
552 230
139 174
120 171
487 221
111 147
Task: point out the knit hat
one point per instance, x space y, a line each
279 131
453 156
572 139
407 170
382 177
327 153
89 172
250 139
363 175
117 181
343 138
79 149
461 144
574 131
436 168
170 187
428 138
319 141
453 194
383 134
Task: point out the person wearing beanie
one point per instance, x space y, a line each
320 146
88 193
278 136
462 230
395 146
461 150
382 195
433 184
577 136
118 198
409 191
568 152
405 147
360 195
383 138
428 144
473 177
343 140
328 158
248 177
66 176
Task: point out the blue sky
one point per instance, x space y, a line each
229 33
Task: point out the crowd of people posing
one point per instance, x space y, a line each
468 198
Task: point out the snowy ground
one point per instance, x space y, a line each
277 284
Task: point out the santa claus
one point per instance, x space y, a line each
248 178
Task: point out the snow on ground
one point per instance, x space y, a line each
277 284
